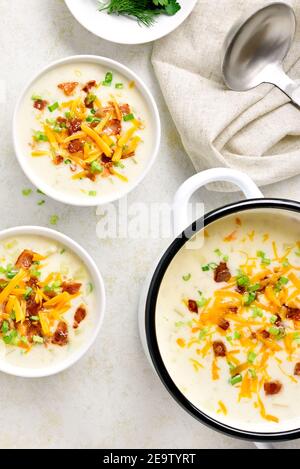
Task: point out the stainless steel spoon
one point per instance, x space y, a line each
255 48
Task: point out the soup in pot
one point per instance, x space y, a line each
228 321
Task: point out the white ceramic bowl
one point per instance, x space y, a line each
84 201
98 289
125 30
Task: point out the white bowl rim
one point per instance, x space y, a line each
98 200
155 37
99 289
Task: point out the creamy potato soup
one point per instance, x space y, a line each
47 303
86 130
228 321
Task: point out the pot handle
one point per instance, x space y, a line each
189 187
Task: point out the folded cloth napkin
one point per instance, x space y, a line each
256 131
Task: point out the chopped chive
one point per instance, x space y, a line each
40 192
229 338
273 319
257 312
27 293
236 335
34 318
63 251
179 324
236 379
53 107
248 298
128 117
90 98
5 327
225 258
254 287
119 86
11 338
36 97
37 339
40 136
274 330
210 266
93 111
285 263
54 219
186 277
251 357
90 288
92 193
41 202
96 167
67 161
218 252
108 79
26 192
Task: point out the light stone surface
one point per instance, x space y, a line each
111 398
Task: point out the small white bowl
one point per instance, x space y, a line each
124 30
84 201
98 289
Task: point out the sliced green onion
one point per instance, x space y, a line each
96 167
186 277
27 293
5 327
40 136
41 202
90 288
53 107
108 79
248 298
236 335
119 86
26 192
236 379
54 219
37 339
92 193
128 117
251 357
34 318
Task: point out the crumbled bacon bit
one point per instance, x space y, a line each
69 87
79 316
241 289
75 146
60 336
88 103
61 120
272 388
223 324
113 127
103 111
293 313
25 259
125 109
297 369
265 334
219 349
29 329
40 104
253 336
71 287
278 321
233 309
89 85
32 308
222 273
193 307
58 159
74 126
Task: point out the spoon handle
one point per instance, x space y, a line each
276 76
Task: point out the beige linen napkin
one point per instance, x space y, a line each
257 131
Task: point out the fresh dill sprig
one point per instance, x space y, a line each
145 11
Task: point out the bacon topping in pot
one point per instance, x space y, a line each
71 287
25 259
265 334
89 85
32 308
297 369
223 324
75 146
293 313
125 109
222 273
219 349
60 336
73 126
69 87
79 316
40 104
272 388
193 307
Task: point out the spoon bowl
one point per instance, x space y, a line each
255 48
